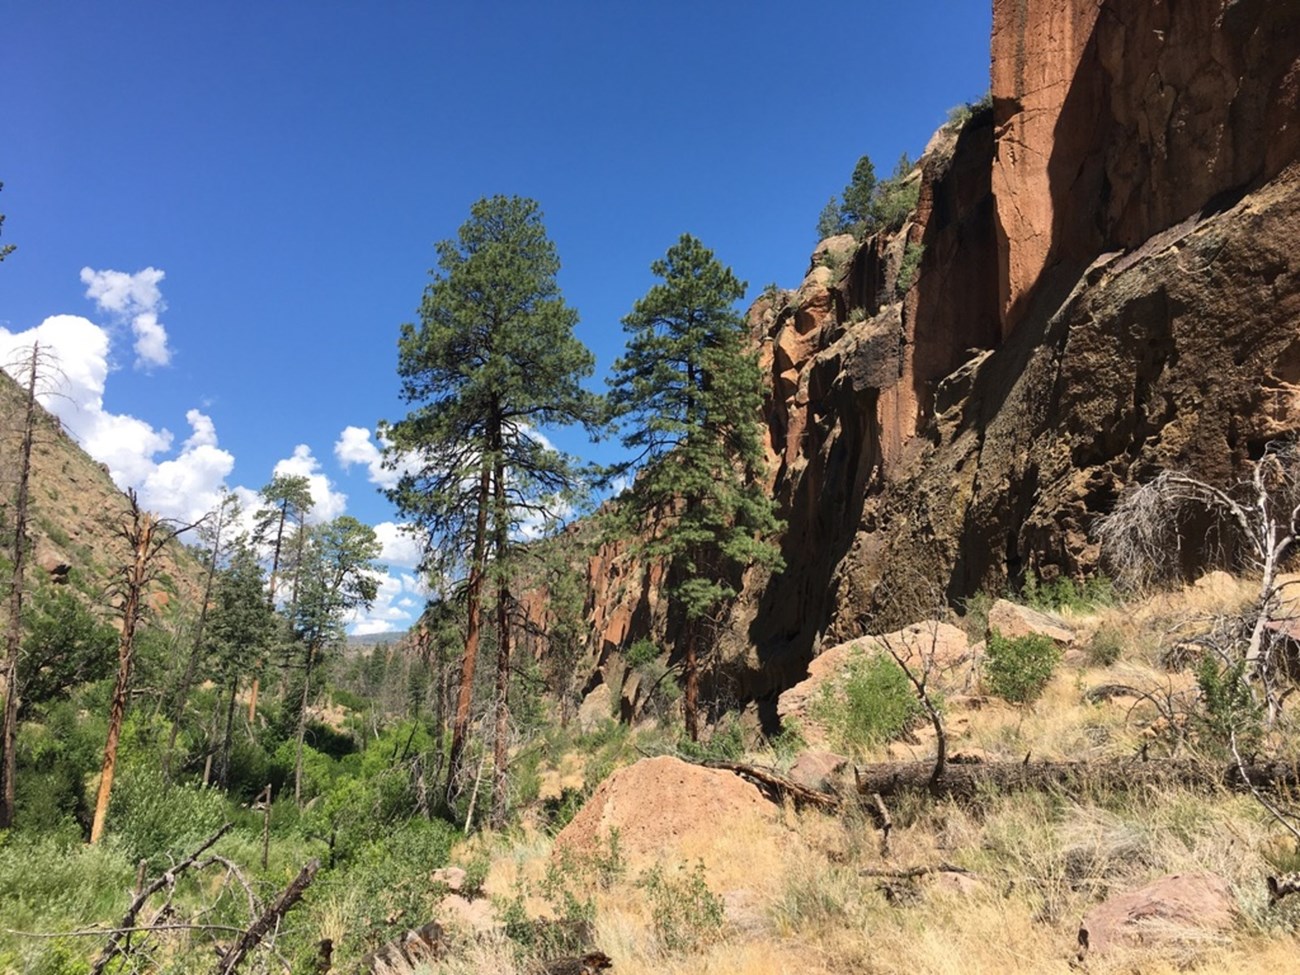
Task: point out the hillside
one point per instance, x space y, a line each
75 509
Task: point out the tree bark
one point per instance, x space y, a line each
13 636
502 730
473 623
691 694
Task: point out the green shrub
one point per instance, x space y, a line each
975 615
684 912
387 880
1065 593
907 268
726 744
159 821
872 703
1228 711
641 653
1105 646
1019 668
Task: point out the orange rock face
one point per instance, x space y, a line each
1118 118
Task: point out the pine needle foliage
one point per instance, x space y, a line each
688 395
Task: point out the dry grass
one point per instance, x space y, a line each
800 902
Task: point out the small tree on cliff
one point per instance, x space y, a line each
689 396
493 360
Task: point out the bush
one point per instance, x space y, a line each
1064 593
1018 669
1228 711
912 255
1105 646
161 822
684 912
874 702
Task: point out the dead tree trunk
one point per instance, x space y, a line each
966 782
269 920
146 538
9 689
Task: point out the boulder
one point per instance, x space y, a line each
663 806
1177 907
596 709
1014 621
817 769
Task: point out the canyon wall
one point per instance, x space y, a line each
1108 287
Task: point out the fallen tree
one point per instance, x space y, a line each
969 781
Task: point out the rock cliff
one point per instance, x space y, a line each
1108 286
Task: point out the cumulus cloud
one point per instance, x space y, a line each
181 487
355 447
329 504
189 486
403 544
396 607
137 300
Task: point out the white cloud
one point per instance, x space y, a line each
137 299
397 606
189 486
402 544
329 504
354 446
181 487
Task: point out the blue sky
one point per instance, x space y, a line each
225 211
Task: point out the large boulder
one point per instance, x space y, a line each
664 806
1180 907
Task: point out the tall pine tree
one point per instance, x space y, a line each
688 394
492 362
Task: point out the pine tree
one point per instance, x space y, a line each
688 394
339 574
493 361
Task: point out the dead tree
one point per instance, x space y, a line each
146 537
269 920
35 364
227 510
1262 513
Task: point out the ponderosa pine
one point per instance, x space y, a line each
688 394
492 361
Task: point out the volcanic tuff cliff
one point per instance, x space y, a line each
1109 287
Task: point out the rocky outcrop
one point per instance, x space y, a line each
1108 286
1118 119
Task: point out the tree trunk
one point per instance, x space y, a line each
196 651
9 689
223 765
141 534
473 623
691 694
502 731
302 725
270 595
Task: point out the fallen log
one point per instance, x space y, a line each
1114 775
776 786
